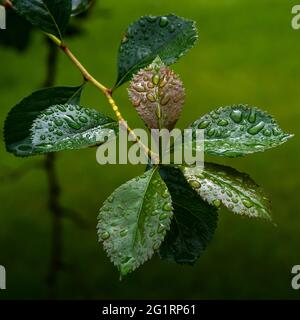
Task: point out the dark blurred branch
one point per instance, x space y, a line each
54 188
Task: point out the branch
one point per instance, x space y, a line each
108 93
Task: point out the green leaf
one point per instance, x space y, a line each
223 185
134 219
51 16
169 37
19 121
157 93
79 6
63 127
238 130
193 224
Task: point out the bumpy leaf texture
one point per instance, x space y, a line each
193 224
69 126
51 120
157 93
219 185
134 219
238 130
169 37
51 16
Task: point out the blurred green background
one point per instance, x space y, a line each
247 53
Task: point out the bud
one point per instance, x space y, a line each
157 93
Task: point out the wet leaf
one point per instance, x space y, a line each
169 37
17 128
51 16
193 224
235 131
219 185
69 127
134 219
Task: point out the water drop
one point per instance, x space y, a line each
156 246
150 85
236 116
154 213
163 82
163 216
164 100
195 184
163 21
151 19
155 79
203 124
165 194
42 137
24 147
142 23
167 206
276 131
247 203
151 97
72 123
223 123
58 122
257 128
229 193
83 119
267 132
61 108
217 203
211 132
105 235
59 133
172 28
161 228
123 233
252 116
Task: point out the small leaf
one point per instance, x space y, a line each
79 6
193 224
169 37
223 185
239 130
158 95
17 128
63 127
51 16
134 219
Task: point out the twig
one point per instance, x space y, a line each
54 204
107 92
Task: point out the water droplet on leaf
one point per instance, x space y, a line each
105 235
